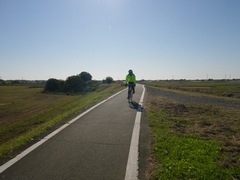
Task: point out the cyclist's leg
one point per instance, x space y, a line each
128 91
133 87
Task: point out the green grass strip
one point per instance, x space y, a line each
186 156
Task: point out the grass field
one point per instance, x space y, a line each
193 141
26 112
220 88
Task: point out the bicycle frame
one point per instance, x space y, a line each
130 92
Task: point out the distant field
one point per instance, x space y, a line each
219 88
25 112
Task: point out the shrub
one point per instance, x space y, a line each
74 84
52 85
109 79
85 76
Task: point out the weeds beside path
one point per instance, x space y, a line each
195 136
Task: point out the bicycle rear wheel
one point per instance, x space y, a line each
130 95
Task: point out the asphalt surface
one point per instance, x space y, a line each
96 146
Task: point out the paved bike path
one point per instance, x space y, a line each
96 146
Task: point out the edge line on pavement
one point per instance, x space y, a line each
132 164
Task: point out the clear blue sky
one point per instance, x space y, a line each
157 39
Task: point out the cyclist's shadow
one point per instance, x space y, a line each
134 105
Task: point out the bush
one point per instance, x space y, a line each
81 83
85 76
109 79
74 84
2 82
90 86
52 85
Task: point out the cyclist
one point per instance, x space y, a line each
131 80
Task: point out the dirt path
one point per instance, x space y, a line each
193 99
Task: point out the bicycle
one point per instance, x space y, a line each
130 92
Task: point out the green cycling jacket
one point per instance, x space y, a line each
131 78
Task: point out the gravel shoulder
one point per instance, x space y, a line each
191 98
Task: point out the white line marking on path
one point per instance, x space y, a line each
132 164
31 148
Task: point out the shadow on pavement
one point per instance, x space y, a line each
135 105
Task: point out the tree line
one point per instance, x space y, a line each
81 83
